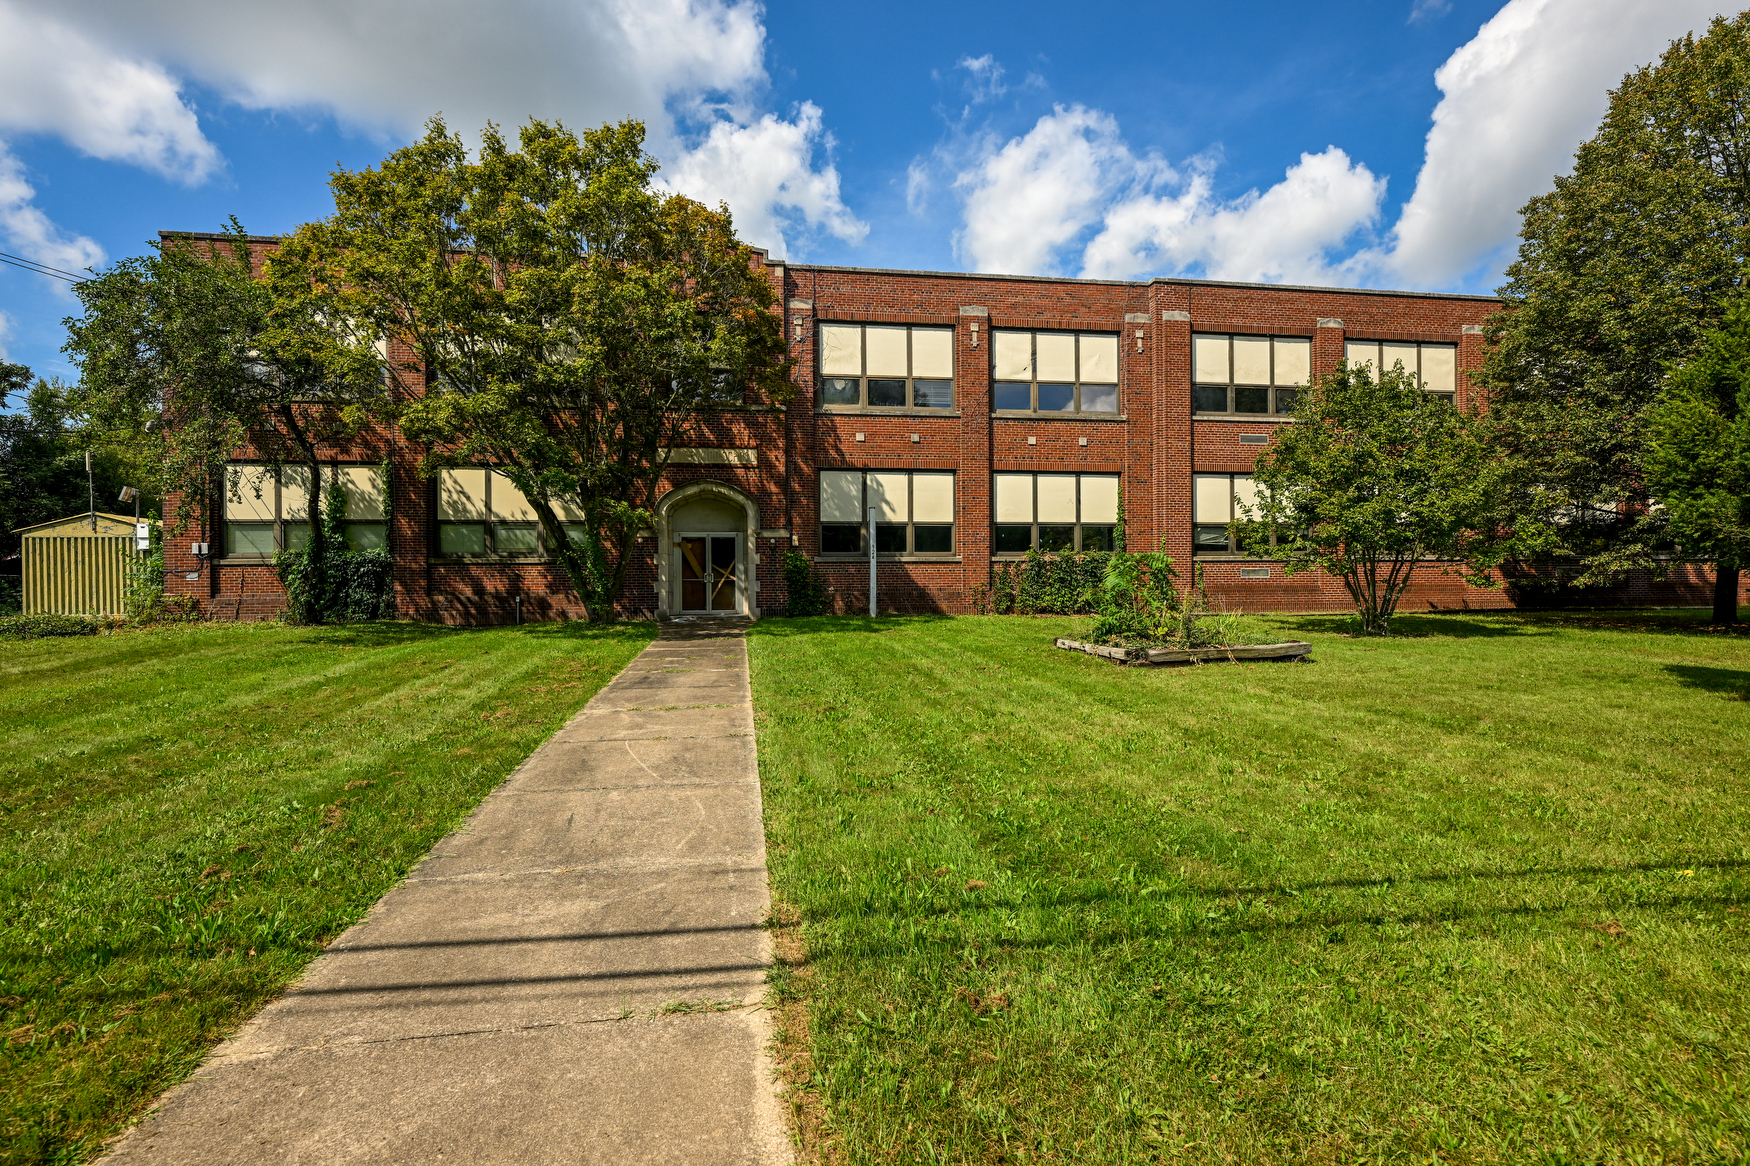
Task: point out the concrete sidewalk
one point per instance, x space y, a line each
544 987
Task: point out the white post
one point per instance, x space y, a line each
872 611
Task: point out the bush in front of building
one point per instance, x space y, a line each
343 584
805 593
1050 584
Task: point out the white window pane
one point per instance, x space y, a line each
1057 498
242 483
1209 360
1251 360
1014 356
364 492
508 503
295 493
568 510
884 351
1245 494
1099 358
887 493
462 495
1056 353
1293 360
932 497
841 496
1395 354
841 350
1440 367
1361 352
932 353
1099 498
1014 497
1211 498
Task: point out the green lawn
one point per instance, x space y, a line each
190 814
1476 893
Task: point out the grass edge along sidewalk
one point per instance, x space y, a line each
192 813
1475 893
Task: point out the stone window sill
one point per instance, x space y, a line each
1030 415
879 558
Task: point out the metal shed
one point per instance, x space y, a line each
77 565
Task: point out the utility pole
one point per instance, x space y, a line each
90 493
872 612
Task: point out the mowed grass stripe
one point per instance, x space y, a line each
190 814
1473 894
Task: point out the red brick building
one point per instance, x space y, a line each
979 415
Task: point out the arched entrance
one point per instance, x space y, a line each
706 558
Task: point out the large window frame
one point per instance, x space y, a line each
260 513
920 379
925 527
481 515
1087 386
1434 364
1033 505
1249 375
1215 502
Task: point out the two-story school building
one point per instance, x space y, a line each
981 416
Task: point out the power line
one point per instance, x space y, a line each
33 266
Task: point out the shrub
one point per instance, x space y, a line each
32 627
806 594
1050 584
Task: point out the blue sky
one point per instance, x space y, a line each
1356 142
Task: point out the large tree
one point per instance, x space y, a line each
1375 480
572 322
190 348
1698 453
1622 270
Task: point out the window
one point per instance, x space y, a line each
365 527
481 512
886 366
1054 372
916 512
1055 512
265 512
1215 499
1434 365
1254 375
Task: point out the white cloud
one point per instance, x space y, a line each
1029 197
985 77
1032 201
5 331
1429 10
1515 103
387 65
28 232
107 105
766 172
1286 234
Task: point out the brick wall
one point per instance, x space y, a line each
1154 444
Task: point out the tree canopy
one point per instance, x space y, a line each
193 350
1698 452
1374 480
570 321
1623 269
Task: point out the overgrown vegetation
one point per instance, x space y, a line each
42 625
350 584
1475 893
1142 605
805 592
191 813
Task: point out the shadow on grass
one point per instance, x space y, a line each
394 634
1732 682
1454 625
814 625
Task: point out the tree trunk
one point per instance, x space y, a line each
1725 594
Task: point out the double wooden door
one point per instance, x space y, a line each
706 567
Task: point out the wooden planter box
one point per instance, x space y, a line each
1292 650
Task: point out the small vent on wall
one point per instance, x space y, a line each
1253 439
1254 572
